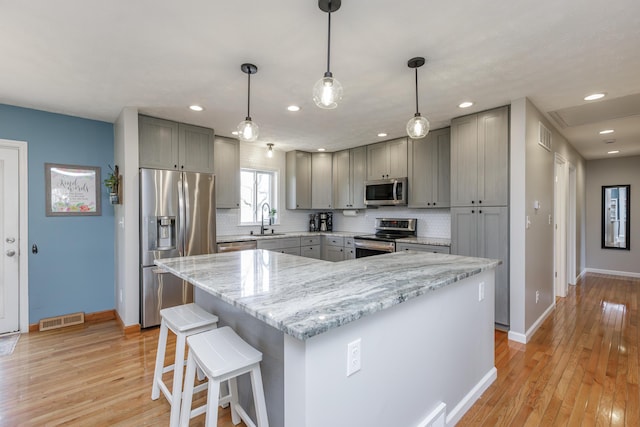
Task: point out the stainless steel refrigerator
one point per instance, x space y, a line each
177 218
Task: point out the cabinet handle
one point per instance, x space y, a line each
472 202
175 166
434 203
472 211
428 204
480 211
479 201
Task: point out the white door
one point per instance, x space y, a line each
560 227
9 233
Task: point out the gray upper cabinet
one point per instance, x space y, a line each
349 173
387 159
158 143
321 174
480 159
298 180
429 170
195 148
164 144
226 166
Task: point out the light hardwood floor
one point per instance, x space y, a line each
581 368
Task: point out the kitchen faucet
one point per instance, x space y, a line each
262 229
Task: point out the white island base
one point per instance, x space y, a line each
428 351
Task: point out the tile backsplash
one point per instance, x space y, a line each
431 222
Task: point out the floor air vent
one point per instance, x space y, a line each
61 321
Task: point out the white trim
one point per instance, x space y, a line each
23 188
582 273
470 398
612 272
517 337
437 415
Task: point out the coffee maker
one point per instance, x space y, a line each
323 226
329 221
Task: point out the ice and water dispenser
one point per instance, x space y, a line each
162 233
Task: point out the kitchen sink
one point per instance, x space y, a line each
266 234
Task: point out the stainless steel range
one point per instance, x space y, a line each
388 230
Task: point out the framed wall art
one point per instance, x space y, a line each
72 190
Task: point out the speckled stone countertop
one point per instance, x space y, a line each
436 241
245 237
304 297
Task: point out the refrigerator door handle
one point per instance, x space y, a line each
182 201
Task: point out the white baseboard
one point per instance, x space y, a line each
474 394
582 273
526 337
612 272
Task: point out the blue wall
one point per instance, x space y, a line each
74 268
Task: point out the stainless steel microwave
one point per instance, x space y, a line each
386 192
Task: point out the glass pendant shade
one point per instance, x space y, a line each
418 127
248 130
327 92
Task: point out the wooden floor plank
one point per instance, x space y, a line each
590 374
580 368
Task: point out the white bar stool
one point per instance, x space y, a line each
223 355
184 321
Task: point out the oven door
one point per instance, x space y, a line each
370 247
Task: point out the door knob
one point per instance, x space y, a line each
11 252
10 240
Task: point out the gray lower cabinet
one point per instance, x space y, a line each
387 159
321 175
311 247
227 169
429 170
349 248
164 144
422 248
333 248
349 175
285 245
483 232
298 180
480 159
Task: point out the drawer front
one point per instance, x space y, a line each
309 241
312 251
285 242
334 241
290 251
422 248
348 242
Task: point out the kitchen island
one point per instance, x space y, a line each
424 323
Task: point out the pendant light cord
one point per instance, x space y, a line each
328 73
249 94
417 110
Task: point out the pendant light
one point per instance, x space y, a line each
269 150
418 126
327 91
247 129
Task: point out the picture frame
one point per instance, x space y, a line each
72 190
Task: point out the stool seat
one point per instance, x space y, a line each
223 352
223 356
183 318
184 321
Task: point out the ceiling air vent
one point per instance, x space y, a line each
544 136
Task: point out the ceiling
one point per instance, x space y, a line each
91 59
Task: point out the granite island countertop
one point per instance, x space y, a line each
420 240
304 297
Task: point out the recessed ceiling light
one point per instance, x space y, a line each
293 108
382 134
604 132
321 149
613 152
235 132
594 96
196 108
465 104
